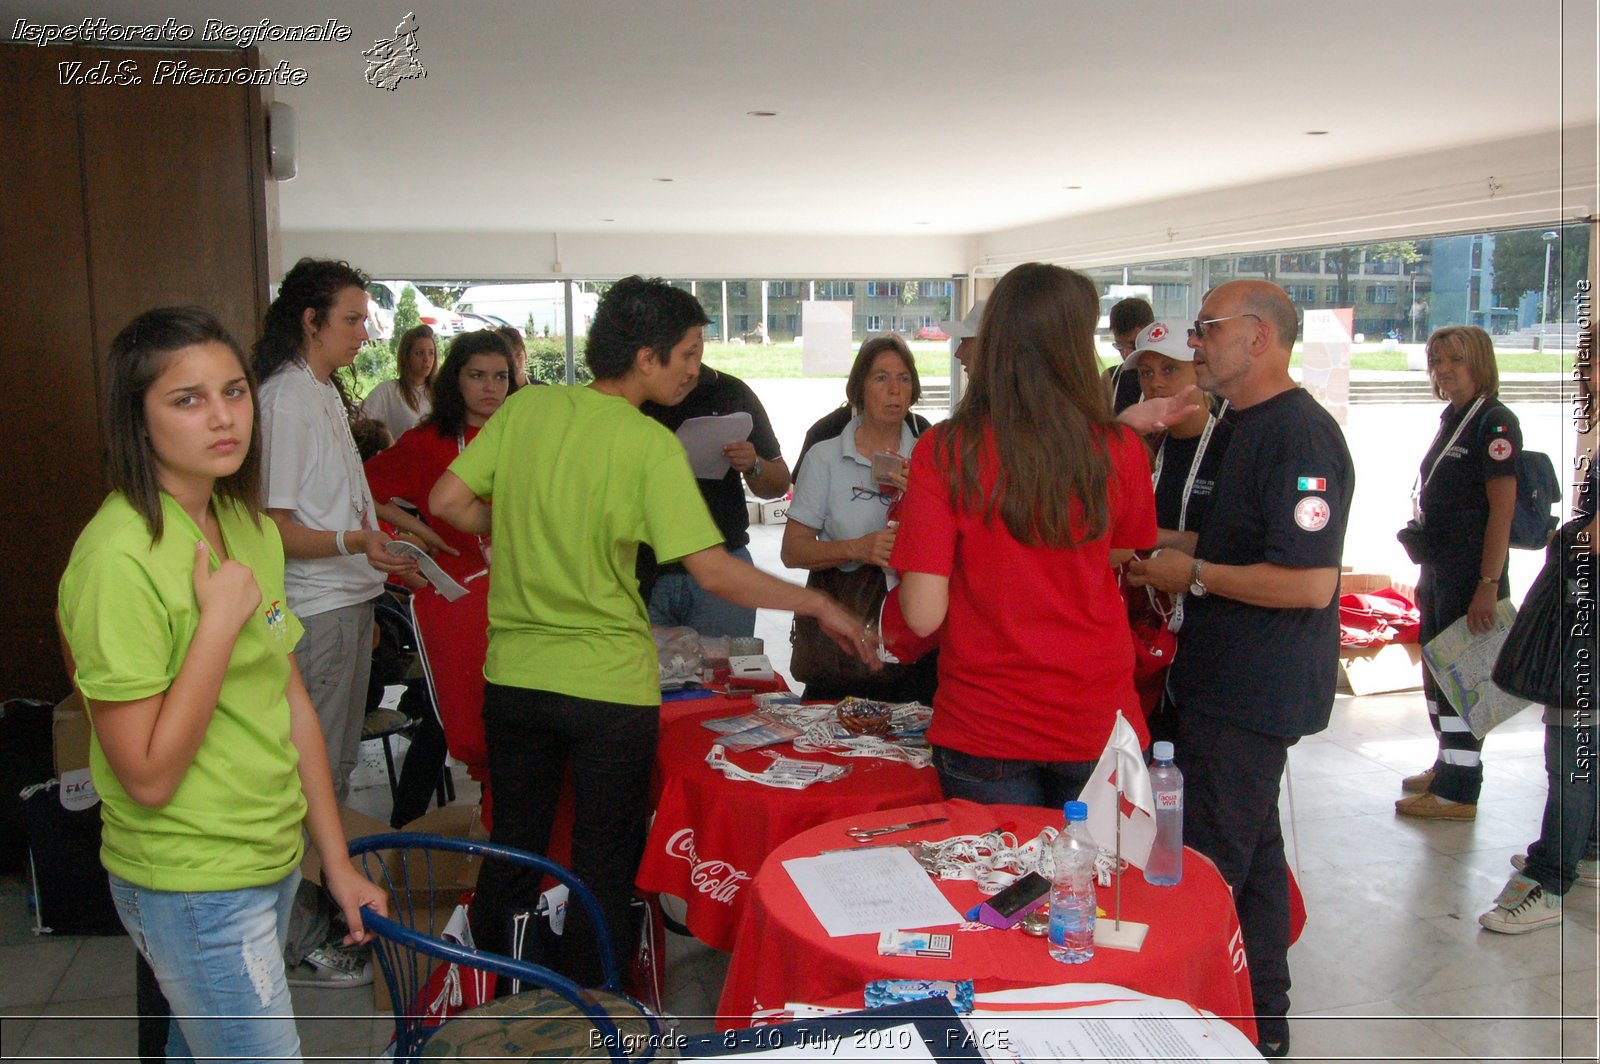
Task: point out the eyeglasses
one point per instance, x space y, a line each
1201 323
1122 347
885 497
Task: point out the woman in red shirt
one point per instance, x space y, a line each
1017 511
474 381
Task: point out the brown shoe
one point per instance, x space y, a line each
1419 783
1432 807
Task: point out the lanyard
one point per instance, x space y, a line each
360 498
1422 482
1194 469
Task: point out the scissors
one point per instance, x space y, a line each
866 834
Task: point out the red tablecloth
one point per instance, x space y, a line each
1193 951
712 833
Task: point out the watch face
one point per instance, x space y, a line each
1197 589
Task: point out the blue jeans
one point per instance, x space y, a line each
1008 781
679 600
1568 830
218 956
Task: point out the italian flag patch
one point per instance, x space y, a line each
1313 484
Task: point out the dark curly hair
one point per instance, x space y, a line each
449 417
313 284
637 313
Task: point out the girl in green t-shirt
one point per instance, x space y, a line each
207 752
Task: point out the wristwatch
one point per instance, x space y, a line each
754 472
1197 587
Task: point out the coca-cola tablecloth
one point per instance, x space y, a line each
1193 952
711 833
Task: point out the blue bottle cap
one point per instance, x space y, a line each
1075 811
1161 751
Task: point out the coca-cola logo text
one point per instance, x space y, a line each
719 880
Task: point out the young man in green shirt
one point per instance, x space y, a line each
578 478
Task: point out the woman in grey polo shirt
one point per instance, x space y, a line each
841 518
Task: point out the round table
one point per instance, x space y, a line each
1193 951
711 833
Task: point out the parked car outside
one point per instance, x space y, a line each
931 332
386 294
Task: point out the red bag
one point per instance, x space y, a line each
1154 643
1378 617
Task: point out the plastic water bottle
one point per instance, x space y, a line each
1072 888
1165 866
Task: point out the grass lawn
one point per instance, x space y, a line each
779 361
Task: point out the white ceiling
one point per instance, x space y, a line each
902 118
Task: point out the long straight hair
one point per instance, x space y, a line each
411 395
1036 394
139 354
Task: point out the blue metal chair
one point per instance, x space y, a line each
557 1020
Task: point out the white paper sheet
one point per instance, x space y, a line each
869 891
703 439
436 576
885 1043
1154 1029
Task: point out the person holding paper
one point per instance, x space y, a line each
754 461
1015 511
1468 494
474 381
579 480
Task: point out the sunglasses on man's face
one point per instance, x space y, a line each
1200 324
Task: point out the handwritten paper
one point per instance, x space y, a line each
703 439
869 891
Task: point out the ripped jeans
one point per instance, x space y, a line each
218 956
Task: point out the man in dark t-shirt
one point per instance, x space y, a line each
1127 318
673 595
1258 652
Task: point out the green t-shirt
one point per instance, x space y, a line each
578 480
128 610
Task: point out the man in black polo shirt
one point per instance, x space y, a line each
675 598
1258 653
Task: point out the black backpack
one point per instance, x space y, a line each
1538 491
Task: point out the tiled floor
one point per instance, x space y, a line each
1392 964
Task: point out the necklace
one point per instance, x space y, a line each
333 410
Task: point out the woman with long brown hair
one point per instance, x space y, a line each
1016 511
408 398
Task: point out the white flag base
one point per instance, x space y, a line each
1129 937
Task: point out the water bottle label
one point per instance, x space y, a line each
1169 800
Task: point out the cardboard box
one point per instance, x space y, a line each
1363 583
451 873
70 733
1379 670
775 512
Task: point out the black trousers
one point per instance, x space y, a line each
1230 781
1444 592
533 737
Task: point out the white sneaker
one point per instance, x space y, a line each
333 965
1522 906
1588 870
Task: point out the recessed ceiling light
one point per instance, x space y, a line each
924 223
1072 188
1316 132
664 180
762 114
608 219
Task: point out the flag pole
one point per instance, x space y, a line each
1116 867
